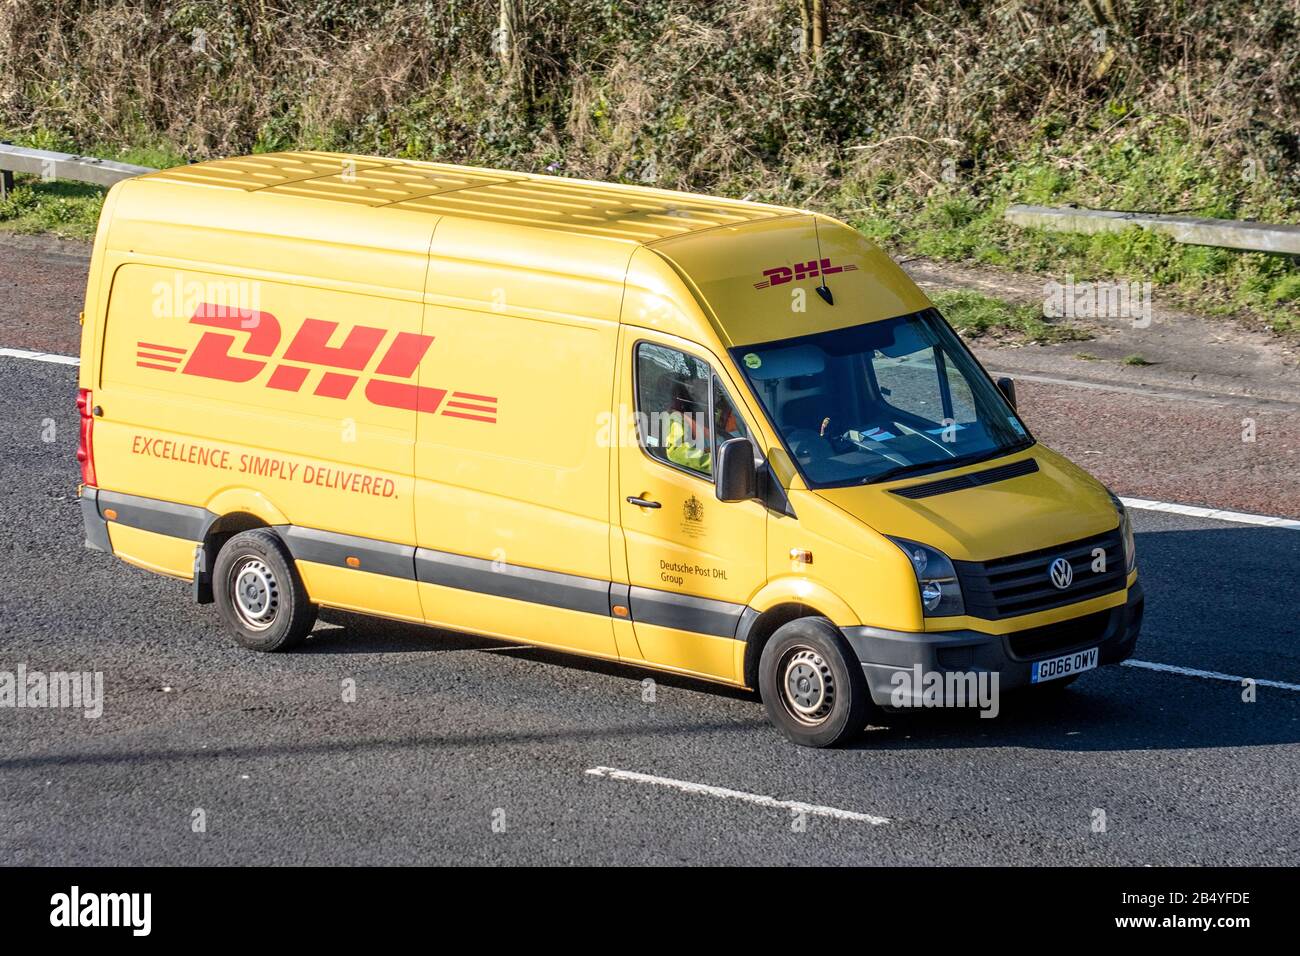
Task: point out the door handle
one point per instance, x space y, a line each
642 502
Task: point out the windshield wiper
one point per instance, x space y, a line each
957 462
901 470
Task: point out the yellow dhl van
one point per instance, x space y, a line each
712 437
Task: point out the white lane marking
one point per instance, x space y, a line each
1209 675
710 791
40 356
1194 511
1172 393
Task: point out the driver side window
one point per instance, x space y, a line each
683 412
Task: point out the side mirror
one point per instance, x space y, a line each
1008 389
734 475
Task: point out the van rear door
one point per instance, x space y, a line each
222 394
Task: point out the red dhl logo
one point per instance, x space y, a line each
310 351
799 271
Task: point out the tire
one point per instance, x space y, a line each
812 685
259 593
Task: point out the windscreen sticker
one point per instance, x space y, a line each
1020 429
872 434
753 361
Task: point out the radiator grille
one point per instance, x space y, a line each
1022 583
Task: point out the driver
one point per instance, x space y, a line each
687 440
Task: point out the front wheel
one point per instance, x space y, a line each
259 594
812 684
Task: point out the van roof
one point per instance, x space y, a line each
603 210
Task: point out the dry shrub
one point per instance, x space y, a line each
695 94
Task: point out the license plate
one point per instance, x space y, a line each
1064 666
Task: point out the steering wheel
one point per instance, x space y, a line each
835 437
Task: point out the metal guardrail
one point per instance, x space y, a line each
1225 233
51 165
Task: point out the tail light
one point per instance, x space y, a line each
86 450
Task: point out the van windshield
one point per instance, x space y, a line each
882 400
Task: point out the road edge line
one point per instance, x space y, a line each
40 356
1208 675
704 789
1196 511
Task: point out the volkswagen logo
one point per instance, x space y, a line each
1061 573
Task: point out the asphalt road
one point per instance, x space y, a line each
460 750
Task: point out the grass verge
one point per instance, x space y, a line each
978 316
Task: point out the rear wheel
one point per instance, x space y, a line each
812 684
259 593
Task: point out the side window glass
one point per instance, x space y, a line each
683 412
727 423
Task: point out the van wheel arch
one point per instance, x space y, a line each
219 530
763 627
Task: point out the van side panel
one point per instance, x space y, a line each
358 590
512 471
160 553
511 468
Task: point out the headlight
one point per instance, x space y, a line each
936 578
1126 531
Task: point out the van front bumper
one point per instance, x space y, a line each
885 653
